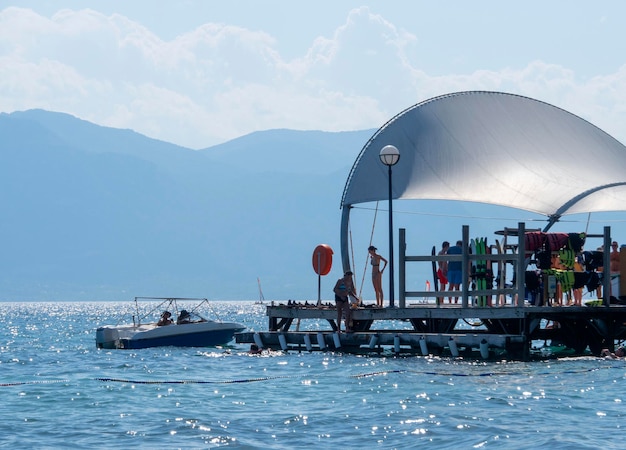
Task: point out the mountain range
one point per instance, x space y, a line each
97 213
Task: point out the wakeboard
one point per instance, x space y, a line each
435 277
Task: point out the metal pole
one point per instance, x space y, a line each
465 264
520 266
606 274
319 278
402 268
391 286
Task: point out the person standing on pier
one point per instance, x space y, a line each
600 269
455 276
614 257
377 274
442 271
343 289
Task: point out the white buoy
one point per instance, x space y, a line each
307 342
373 341
283 342
257 340
396 343
320 341
453 348
424 347
484 349
336 339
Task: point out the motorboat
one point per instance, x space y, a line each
190 329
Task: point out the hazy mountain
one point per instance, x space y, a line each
289 151
91 213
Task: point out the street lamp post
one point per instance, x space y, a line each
389 156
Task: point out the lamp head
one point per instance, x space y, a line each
389 155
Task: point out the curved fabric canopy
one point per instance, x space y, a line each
527 154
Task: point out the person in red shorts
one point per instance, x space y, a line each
442 270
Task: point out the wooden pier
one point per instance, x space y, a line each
436 327
507 331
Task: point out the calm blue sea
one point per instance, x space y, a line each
53 393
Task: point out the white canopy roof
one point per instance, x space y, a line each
495 148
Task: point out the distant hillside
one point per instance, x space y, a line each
300 152
93 213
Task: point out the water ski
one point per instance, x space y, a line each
500 277
474 268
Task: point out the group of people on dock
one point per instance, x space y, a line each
450 273
614 263
569 270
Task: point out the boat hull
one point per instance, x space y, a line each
202 334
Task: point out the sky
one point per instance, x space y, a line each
199 73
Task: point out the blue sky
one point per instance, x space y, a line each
198 73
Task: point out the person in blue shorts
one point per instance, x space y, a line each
455 276
344 288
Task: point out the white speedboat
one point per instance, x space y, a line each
190 329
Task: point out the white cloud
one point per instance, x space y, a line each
217 82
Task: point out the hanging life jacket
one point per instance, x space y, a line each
534 240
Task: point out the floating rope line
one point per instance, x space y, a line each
249 380
21 383
382 372
485 374
361 375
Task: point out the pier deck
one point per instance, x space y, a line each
508 325
507 330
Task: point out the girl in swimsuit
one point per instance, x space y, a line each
377 274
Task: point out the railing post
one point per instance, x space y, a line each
465 268
402 268
606 270
520 270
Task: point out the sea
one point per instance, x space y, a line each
59 391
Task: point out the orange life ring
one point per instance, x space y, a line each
322 259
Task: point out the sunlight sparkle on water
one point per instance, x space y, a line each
383 398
